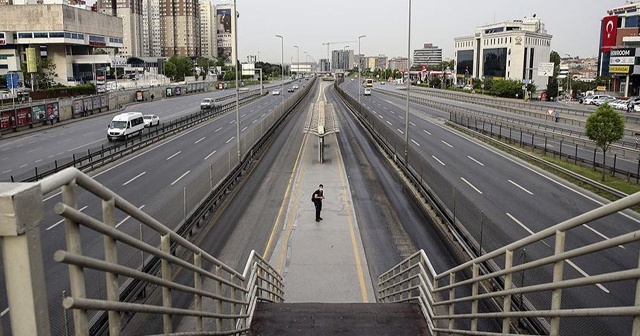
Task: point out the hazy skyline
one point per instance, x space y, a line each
574 24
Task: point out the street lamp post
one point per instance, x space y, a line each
298 61
235 48
344 58
406 117
359 70
281 64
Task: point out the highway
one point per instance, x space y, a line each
491 192
152 179
507 200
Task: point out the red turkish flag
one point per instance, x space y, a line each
609 32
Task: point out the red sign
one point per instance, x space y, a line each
97 44
3 42
609 32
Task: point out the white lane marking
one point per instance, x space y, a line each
87 144
411 123
62 220
521 187
216 131
38 160
476 161
254 121
65 140
181 176
33 150
133 179
600 234
124 220
208 156
381 117
444 142
242 130
471 185
427 132
232 121
388 122
6 171
24 165
568 261
88 133
435 158
4 312
399 130
172 156
242 116
401 117
263 115
415 142
231 138
199 140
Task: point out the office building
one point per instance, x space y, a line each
512 49
61 39
342 60
428 56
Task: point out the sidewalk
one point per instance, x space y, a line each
322 261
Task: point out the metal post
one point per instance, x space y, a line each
359 71
508 283
298 61
281 65
165 243
235 61
406 119
197 285
111 257
22 258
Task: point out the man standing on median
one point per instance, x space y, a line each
317 198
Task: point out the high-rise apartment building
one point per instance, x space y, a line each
342 59
130 11
207 29
151 28
180 27
429 55
399 63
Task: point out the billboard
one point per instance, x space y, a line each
223 33
248 69
545 69
609 31
32 65
623 56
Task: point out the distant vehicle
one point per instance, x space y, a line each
590 100
207 103
290 89
125 125
295 86
151 120
367 91
275 92
367 82
382 83
467 87
603 100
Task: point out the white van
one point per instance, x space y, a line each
125 125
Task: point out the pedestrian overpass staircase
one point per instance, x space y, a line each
412 297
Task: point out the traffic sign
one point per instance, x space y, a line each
545 69
12 81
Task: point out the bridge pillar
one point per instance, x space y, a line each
21 211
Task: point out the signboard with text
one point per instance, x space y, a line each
619 69
624 56
546 69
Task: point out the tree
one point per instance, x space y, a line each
509 88
45 74
604 127
552 86
177 67
203 64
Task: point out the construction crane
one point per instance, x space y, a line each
328 44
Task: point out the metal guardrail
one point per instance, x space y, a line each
96 157
234 294
448 303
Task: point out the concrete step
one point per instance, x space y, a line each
316 319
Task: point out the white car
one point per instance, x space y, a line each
603 100
590 100
151 120
275 92
619 104
367 91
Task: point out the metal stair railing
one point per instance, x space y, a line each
451 305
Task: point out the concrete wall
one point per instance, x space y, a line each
59 18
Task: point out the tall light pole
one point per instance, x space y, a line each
235 48
359 70
344 58
406 116
569 80
282 64
298 61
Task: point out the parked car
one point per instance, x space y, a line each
367 91
601 101
619 104
590 100
207 103
151 120
275 92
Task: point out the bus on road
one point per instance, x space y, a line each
367 82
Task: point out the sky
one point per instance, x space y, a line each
574 24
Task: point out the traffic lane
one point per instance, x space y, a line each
76 138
